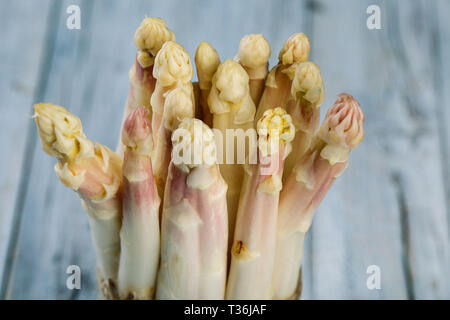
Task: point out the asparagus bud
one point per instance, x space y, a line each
95 173
295 49
278 85
232 108
254 53
253 249
194 222
149 38
207 61
306 186
307 92
178 105
172 68
139 235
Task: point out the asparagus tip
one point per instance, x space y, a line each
177 106
207 60
137 127
343 123
295 49
275 124
254 51
149 37
60 131
307 81
172 64
231 81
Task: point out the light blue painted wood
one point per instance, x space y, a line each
22 33
390 206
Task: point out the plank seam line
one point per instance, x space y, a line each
404 234
42 78
440 114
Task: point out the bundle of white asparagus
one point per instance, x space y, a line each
214 184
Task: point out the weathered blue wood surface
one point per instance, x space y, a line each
390 208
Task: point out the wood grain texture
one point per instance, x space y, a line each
22 26
390 208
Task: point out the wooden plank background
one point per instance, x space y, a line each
390 208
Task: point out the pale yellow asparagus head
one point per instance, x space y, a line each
137 131
207 61
61 132
230 92
91 169
274 127
254 51
342 128
177 106
172 65
306 82
193 145
149 38
295 49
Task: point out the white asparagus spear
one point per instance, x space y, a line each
95 173
194 222
253 251
232 108
207 61
172 68
253 55
139 235
277 91
312 177
149 38
177 106
307 94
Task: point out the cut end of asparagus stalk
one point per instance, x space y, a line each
254 52
342 129
193 145
207 60
295 49
61 132
136 131
307 82
172 65
274 127
149 38
178 105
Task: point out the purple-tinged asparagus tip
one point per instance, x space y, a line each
343 123
137 127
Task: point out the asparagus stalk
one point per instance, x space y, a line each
207 61
310 180
149 38
172 68
232 108
253 251
139 235
194 221
278 85
307 92
95 173
253 55
177 106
